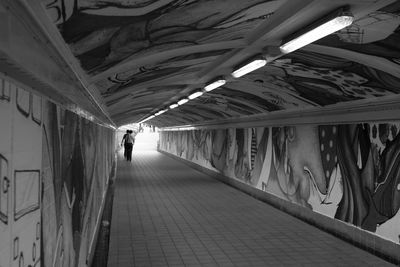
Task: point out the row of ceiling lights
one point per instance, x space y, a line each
329 24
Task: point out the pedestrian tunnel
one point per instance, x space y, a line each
266 133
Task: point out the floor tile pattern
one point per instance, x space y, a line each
167 214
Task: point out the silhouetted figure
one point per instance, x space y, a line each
128 141
123 142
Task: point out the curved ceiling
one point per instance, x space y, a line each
142 56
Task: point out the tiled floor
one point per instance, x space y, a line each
167 214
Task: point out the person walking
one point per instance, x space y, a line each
129 142
124 142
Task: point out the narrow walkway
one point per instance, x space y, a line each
167 214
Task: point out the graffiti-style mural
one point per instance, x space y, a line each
54 171
77 168
103 33
347 172
109 37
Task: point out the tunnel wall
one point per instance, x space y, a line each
55 167
348 172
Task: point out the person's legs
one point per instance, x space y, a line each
125 151
129 152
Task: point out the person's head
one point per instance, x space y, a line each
130 131
127 131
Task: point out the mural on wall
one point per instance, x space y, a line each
53 185
20 194
348 172
78 165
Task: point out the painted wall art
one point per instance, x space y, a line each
54 171
347 172
103 33
140 54
302 79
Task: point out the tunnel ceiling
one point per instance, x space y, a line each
141 56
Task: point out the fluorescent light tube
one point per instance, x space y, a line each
215 85
253 65
160 112
339 22
195 95
182 101
149 118
173 106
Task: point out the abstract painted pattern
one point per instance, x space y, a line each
103 33
54 172
303 79
78 158
348 172
141 54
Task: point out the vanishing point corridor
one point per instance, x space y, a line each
168 214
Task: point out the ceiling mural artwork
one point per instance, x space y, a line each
103 33
374 34
179 68
296 83
324 86
142 56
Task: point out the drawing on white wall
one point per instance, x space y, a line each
5 185
26 192
37 109
4 90
20 184
23 101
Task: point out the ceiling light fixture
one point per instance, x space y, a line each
148 118
215 84
195 94
173 106
182 101
160 112
256 63
329 24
